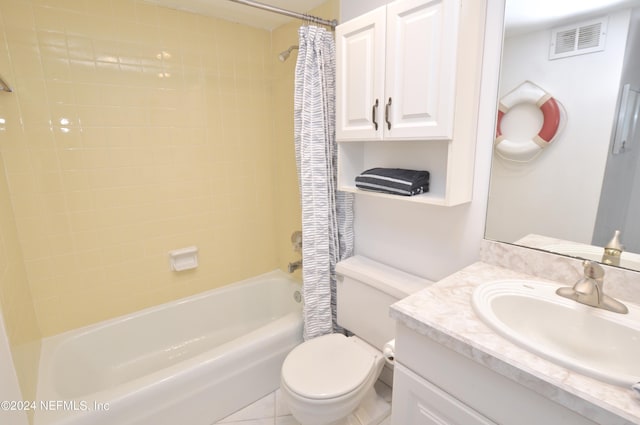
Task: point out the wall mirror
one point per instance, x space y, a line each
567 186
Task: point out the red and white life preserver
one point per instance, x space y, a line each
523 151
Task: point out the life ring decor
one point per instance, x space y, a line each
553 120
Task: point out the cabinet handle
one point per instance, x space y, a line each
374 115
386 114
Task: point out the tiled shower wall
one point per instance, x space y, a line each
16 303
133 130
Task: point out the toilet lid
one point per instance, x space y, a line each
326 367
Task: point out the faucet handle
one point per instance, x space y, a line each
296 240
593 270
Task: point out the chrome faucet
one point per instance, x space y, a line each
589 290
295 266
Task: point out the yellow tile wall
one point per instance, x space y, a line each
134 130
16 303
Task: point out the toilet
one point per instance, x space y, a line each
329 380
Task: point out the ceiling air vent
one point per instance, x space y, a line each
578 39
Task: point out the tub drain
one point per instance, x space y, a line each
297 296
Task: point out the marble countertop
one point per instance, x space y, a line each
444 313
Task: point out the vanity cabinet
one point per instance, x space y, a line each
396 69
434 385
416 401
407 94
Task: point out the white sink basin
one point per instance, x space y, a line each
595 342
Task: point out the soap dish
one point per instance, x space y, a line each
183 259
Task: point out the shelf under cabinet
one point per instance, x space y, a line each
424 198
356 157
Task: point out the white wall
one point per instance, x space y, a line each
427 240
619 207
349 9
632 75
557 194
632 224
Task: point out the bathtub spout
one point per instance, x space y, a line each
295 266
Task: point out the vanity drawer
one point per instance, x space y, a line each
418 402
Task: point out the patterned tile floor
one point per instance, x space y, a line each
271 410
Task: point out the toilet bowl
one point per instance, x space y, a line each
327 378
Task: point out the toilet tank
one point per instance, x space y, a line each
365 290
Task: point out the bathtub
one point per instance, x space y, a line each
188 362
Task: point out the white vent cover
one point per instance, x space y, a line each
578 39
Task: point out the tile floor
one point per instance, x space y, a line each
271 410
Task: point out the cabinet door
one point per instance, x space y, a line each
360 59
418 402
421 68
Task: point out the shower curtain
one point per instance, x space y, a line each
327 214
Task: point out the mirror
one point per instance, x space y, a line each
566 186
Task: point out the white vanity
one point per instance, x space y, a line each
451 368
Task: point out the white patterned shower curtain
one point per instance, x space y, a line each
327 214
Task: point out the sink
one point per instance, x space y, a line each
597 343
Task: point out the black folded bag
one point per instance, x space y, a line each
396 181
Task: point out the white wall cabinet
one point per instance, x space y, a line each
360 61
396 72
408 82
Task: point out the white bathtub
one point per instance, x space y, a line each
187 362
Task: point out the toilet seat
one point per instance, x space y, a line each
327 367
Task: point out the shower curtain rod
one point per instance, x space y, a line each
330 23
